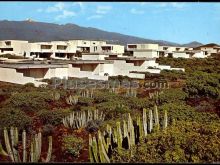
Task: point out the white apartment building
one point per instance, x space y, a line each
143 50
209 49
15 47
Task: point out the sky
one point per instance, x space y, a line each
171 21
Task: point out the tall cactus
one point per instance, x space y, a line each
24 146
139 124
119 135
165 120
128 131
35 149
90 150
131 130
145 121
156 117
102 153
76 120
150 121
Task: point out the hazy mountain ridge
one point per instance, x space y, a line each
40 31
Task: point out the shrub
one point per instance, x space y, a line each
204 107
138 103
93 125
72 145
183 112
203 84
172 95
14 117
85 101
52 117
30 101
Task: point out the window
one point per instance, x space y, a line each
46 46
61 47
8 43
132 46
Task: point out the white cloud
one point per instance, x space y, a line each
94 17
63 10
65 14
103 9
135 11
81 5
56 8
177 5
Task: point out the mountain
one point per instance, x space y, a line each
39 31
193 44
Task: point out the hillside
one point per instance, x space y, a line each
40 31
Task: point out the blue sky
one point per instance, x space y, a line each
175 22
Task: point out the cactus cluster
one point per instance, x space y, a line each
72 100
123 137
155 96
34 155
80 119
55 95
131 92
87 93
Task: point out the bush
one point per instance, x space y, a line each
204 107
105 96
14 117
52 117
30 101
203 84
85 101
138 103
93 125
183 112
72 145
172 95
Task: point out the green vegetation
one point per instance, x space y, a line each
72 145
184 142
189 113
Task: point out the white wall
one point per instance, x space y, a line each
147 54
93 57
180 54
10 75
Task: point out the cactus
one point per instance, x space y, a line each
119 135
49 152
55 96
139 124
101 150
77 120
2 151
131 130
102 153
156 117
35 149
165 120
90 150
7 143
95 149
150 121
145 121
24 146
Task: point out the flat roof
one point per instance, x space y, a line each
130 58
90 62
33 66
